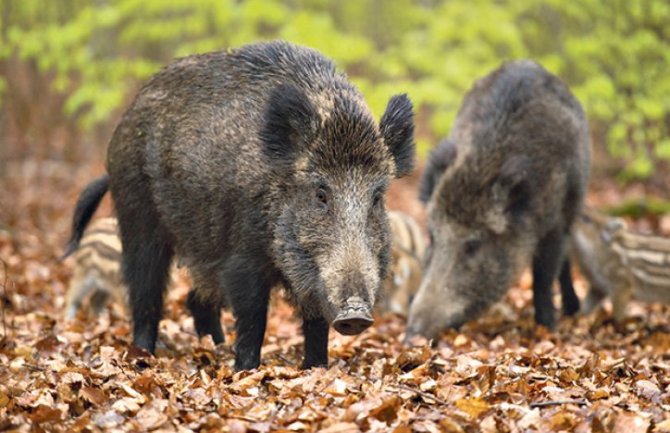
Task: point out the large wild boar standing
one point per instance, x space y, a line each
257 166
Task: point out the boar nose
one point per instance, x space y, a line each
352 322
354 318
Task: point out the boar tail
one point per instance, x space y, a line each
88 202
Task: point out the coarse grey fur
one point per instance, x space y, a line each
259 165
502 193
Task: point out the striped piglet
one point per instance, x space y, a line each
407 248
620 263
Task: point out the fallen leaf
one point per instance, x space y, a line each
44 414
342 427
47 344
94 395
126 405
387 410
108 419
662 427
474 407
628 422
647 389
150 417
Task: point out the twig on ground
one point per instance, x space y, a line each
421 393
557 403
285 359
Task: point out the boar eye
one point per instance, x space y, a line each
471 246
322 196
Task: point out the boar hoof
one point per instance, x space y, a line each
314 363
546 318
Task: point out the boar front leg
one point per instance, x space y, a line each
316 342
546 265
248 289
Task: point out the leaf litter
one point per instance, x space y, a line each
499 373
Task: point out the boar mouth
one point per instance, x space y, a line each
431 327
354 318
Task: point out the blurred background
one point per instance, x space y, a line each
68 68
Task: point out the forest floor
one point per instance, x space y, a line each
499 373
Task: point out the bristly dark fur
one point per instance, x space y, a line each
88 202
289 117
261 166
397 128
441 157
507 201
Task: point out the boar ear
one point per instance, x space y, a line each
439 160
511 193
289 122
397 128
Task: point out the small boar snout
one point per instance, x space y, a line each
354 318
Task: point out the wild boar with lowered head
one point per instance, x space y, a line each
259 166
502 193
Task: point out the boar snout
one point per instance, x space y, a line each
436 307
352 322
354 318
430 331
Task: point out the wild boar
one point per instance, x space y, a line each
407 247
502 193
97 269
619 262
259 166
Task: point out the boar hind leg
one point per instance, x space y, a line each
316 342
568 296
80 287
206 316
99 300
546 265
145 263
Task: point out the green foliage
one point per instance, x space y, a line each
615 55
641 208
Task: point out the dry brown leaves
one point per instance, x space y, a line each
498 374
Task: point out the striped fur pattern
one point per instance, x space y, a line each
407 249
620 263
97 269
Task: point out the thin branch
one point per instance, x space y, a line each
558 403
421 393
285 359
5 299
